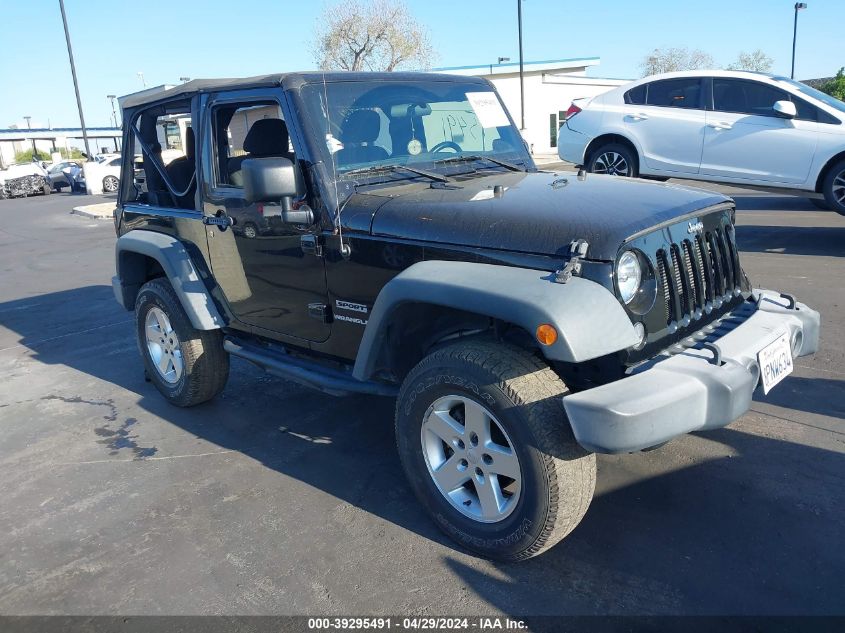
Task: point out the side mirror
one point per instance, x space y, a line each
274 180
785 109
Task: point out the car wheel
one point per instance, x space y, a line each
833 187
613 159
820 204
46 189
110 184
188 366
250 230
487 449
57 188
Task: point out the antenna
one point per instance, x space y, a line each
345 250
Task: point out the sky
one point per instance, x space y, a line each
168 39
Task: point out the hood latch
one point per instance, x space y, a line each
577 251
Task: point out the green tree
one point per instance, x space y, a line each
835 87
26 156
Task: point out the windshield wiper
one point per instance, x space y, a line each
420 172
475 157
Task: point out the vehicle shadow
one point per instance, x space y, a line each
792 240
754 532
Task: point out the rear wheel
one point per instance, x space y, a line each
188 366
484 441
820 204
250 230
833 187
110 184
613 159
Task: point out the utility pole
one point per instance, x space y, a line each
521 78
75 82
140 74
798 7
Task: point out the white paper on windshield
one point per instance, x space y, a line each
488 109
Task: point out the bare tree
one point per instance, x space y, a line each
757 61
666 60
379 35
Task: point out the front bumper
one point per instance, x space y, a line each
689 391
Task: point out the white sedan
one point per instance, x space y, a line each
722 126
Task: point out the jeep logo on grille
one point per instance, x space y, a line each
695 227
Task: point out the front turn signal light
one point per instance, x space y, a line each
546 334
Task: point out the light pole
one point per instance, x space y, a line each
113 111
184 80
521 79
75 82
798 7
28 126
140 74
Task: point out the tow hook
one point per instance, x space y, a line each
577 251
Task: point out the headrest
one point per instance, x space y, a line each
361 126
267 137
189 143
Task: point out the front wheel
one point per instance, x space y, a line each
613 159
833 187
188 366
485 444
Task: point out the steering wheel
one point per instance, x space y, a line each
443 145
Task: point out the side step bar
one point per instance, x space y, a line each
309 374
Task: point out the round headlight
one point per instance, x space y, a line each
629 275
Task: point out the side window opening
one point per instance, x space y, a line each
675 93
162 168
636 96
242 131
746 97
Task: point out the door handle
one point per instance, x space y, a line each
720 126
220 220
638 117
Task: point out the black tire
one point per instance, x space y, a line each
524 395
835 178
597 163
58 188
820 204
205 362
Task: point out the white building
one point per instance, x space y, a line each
550 87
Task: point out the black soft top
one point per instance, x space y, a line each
287 79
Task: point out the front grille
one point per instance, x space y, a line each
698 275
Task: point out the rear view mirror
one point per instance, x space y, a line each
785 109
274 180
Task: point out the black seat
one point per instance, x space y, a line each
182 173
266 138
358 133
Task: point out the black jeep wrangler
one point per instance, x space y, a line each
389 234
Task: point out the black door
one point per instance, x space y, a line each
267 279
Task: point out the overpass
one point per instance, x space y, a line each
13 140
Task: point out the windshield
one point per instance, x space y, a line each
377 125
833 102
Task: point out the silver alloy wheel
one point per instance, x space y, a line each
249 231
838 188
163 345
612 164
110 184
471 459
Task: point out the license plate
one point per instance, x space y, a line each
775 362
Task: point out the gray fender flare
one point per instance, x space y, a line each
170 253
589 319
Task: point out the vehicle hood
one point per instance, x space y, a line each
541 212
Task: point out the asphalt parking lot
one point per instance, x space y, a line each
274 499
